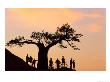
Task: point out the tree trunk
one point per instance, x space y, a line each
42 58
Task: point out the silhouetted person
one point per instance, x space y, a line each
71 63
33 62
30 59
27 58
63 61
51 63
58 63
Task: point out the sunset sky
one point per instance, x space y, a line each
91 22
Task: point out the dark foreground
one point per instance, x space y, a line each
14 63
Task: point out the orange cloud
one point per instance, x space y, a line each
94 28
50 18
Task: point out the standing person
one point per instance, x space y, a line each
33 62
51 63
27 58
58 63
71 63
30 59
63 61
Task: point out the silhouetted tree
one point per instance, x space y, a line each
45 40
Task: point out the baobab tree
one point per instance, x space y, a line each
45 40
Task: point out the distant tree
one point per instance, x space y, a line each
45 40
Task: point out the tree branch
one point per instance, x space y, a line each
54 43
20 41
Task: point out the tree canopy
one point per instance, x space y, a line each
64 33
